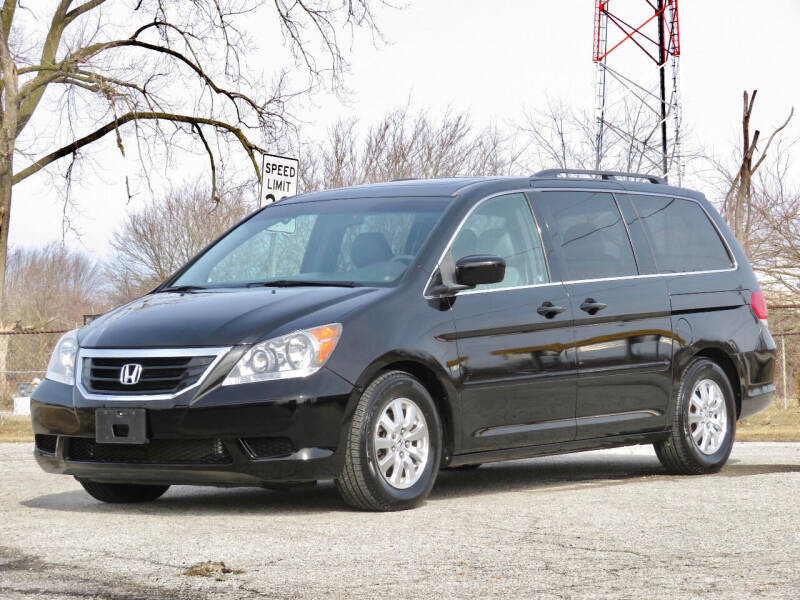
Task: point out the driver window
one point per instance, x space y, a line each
504 226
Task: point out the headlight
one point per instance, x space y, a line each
297 354
62 362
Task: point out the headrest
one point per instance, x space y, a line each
370 247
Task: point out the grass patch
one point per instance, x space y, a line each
15 428
214 569
776 424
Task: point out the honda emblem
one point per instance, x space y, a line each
130 374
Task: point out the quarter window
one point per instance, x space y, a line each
504 226
641 244
682 237
588 232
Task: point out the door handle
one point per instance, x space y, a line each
591 306
548 310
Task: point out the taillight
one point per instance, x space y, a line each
759 305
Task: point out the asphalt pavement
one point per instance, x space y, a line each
593 525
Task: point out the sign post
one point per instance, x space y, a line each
278 178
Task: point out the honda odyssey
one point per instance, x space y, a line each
374 335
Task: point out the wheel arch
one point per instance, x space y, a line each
732 369
432 375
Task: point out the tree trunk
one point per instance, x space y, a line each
6 162
743 206
8 137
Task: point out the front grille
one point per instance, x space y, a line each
159 375
157 452
268 447
46 443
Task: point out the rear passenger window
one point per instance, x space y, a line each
681 235
588 232
504 226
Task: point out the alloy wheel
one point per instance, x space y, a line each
708 416
401 443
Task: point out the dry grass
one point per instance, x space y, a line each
15 428
211 568
776 424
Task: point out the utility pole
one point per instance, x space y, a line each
662 63
783 369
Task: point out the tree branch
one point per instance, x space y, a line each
49 74
772 137
28 103
214 195
7 16
248 146
77 12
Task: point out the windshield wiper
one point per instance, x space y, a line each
182 288
301 283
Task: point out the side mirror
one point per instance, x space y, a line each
478 269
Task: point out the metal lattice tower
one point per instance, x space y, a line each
624 73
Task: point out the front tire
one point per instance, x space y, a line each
703 422
123 492
393 449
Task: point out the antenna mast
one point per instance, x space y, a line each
643 32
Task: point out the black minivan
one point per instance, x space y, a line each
375 334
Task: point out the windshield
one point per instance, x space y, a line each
355 242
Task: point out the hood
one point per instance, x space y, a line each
221 317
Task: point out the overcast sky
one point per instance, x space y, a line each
492 59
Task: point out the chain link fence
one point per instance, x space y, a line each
23 361
784 323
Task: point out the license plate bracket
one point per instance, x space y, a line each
120 426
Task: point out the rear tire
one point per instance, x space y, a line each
123 492
393 449
703 423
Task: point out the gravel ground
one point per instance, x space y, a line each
592 525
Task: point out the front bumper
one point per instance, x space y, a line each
284 430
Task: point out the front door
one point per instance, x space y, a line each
622 320
514 338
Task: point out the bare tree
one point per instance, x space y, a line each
48 288
404 145
51 287
772 231
738 207
559 136
170 71
165 234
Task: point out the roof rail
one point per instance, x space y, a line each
612 175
